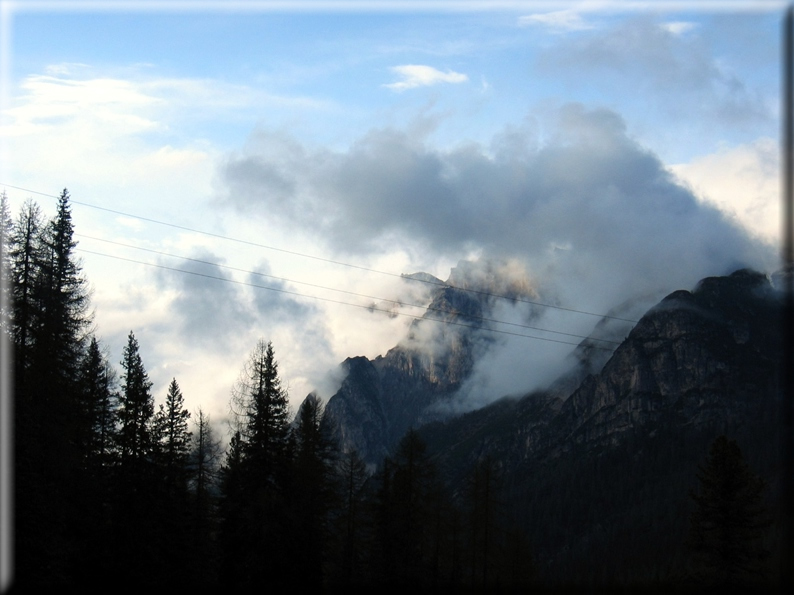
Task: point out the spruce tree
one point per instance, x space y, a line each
27 256
98 407
65 299
139 495
312 491
348 522
204 457
728 523
49 318
408 498
173 435
255 529
261 410
136 408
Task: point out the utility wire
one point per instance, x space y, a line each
396 302
320 258
371 308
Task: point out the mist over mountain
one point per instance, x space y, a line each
486 334
625 443
586 216
617 434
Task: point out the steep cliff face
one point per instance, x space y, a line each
706 356
709 356
381 399
695 358
602 475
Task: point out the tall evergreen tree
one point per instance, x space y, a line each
255 529
261 409
139 507
136 408
65 300
204 469
204 458
348 522
728 523
27 256
49 318
98 407
312 492
173 435
408 498
484 499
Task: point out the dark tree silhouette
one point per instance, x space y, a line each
255 530
173 437
203 470
138 521
27 255
311 492
136 443
407 501
729 519
261 412
48 321
98 407
348 522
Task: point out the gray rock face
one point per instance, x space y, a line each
710 356
694 358
705 356
381 399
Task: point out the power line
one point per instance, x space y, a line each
322 259
316 286
370 308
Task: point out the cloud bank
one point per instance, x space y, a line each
593 217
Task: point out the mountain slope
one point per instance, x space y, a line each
602 477
380 399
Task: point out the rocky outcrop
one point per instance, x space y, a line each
381 399
695 358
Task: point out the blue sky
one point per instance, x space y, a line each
597 152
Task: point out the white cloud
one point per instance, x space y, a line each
418 75
743 182
559 21
678 27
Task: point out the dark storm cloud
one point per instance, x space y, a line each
592 217
588 199
208 307
274 299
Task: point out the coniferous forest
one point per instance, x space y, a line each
113 491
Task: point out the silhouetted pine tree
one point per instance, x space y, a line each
406 505
98 406
173 437
204 463
729 520
49 318
138 485
484 503
312 493
172 441
136 410
255 528
27 256
348 541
